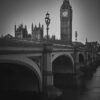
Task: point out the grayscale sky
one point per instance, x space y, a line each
86 16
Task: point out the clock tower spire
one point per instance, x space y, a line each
66 21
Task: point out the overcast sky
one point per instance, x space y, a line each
86 16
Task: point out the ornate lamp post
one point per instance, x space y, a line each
47 21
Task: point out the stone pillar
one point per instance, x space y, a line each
75 60
47 66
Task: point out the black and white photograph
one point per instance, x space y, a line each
50 49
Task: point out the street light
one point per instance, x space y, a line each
47 21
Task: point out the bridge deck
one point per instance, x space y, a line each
38 46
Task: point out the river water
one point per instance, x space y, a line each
87 88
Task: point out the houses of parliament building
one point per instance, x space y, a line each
22 33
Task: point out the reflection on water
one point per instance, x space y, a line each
86 88
82 88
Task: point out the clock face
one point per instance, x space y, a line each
65 13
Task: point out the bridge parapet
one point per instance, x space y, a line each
19 47
62 48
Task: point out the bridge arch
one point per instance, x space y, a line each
62 67
25 67
55 56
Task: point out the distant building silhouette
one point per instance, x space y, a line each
21 32
92 46
7 36
53 37
37 32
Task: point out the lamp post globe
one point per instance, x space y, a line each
47 21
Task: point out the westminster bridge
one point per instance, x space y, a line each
32 66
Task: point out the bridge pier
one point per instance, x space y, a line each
47 66
48 85
47 69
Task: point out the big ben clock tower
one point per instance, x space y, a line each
66 21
